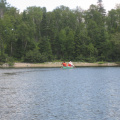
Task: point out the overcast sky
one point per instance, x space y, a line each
52 4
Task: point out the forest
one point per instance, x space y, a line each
38 36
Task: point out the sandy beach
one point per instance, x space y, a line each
56 64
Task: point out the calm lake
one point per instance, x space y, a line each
85 93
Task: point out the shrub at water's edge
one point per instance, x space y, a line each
101 62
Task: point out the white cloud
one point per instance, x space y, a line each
52 4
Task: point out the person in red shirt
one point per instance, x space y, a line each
64 64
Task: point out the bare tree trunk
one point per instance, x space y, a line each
1 45
11 49
1 13
25 45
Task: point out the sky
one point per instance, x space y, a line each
52 4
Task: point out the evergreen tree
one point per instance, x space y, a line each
45 48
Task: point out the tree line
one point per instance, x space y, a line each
36 35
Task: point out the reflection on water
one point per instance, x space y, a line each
88 93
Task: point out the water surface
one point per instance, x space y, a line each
86 93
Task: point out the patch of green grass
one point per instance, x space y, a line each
117 63
101 62
1 63
11 64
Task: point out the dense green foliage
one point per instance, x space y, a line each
36 35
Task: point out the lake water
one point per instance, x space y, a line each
85 93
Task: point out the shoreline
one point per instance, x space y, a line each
57 65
